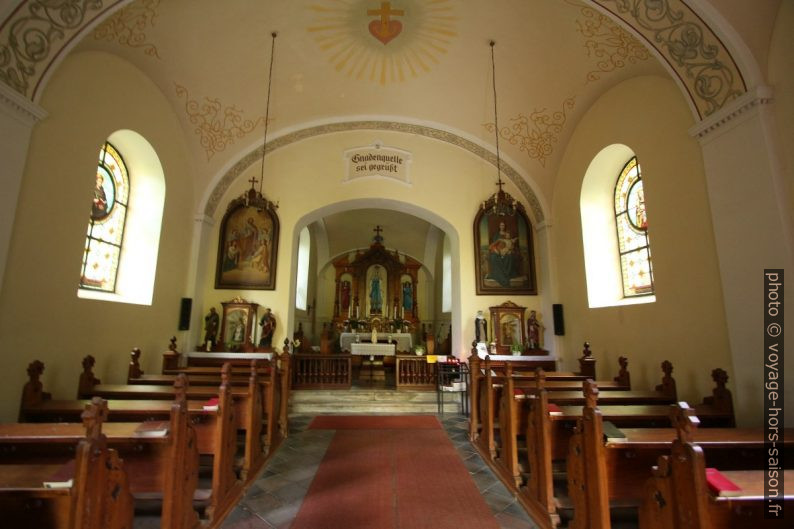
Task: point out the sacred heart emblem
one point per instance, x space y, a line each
387 31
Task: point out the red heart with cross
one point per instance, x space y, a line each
385 32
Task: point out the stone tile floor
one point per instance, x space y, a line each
273 500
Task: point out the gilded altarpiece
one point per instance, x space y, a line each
376 283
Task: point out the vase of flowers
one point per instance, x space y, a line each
515 349
419 350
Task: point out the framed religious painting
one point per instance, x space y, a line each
507 327
504 252
237 325
247 248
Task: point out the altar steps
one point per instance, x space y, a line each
363 400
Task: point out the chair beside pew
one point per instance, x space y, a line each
676 496
99 497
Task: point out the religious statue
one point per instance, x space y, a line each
344 296
375 294
408 298
211 324
533 331
268 324
480 328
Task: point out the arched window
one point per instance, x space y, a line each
120 255
304 252
632 230
106 222
617 256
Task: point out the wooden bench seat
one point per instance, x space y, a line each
270 399
676 495
99 497
150 462
216 431
602 471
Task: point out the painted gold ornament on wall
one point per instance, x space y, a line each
383 42
538 133
612 46
127 26
217 125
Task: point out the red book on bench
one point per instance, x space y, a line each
212 404
720 485
554 409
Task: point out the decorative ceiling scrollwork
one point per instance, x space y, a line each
37 32
693 51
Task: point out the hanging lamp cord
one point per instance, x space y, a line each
267 107
496 118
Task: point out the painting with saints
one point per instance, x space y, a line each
505 262
247 249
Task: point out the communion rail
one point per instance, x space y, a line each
413 372
318 371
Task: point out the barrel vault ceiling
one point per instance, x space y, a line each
422 63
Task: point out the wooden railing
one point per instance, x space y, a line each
413 372
316 371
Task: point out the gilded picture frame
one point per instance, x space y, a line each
504 253
247 249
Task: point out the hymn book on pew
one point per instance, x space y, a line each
211 404
63 478
554 409
152 429
720 485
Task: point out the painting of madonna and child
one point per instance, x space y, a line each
247 249
505 262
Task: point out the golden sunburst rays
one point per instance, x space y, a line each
383 42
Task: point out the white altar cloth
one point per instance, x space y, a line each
403 340
372 349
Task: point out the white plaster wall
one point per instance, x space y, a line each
686 324
448 186
40 314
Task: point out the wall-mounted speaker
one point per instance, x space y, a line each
184 314
559 321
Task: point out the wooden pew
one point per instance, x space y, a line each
490 390
270 386
601 469
514 413
216 431
172 360
556 380
99 497
676 495
164 466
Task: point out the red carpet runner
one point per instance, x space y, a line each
392 479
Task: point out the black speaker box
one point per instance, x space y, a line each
559 321
184 314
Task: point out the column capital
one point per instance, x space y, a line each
729 116
19 107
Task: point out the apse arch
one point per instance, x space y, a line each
227 177
389 204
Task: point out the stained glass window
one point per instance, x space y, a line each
106 222
632 226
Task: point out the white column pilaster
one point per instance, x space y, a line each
197 276
752 230
18 116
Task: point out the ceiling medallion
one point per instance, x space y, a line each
383 42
